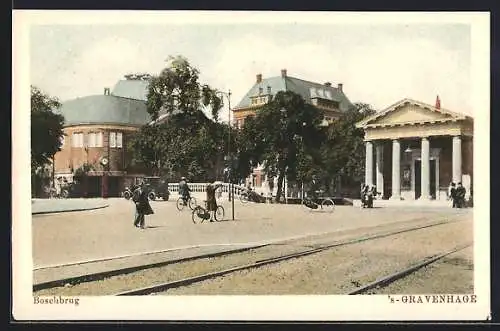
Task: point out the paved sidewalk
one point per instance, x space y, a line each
408 203
48 206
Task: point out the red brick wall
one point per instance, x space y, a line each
70 158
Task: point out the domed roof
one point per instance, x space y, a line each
104 109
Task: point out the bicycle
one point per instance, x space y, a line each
249 195
182 202
326 204
200 214
63 194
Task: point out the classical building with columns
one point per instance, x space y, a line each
415 150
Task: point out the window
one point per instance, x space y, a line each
95 139
119 140
77 139
112 139
99 139
260 100
62 140
115 139
92 139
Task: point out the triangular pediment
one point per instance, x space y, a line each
409 111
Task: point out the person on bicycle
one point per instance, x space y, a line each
211 201
314 188
184 190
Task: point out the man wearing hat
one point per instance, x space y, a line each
142 206
211 201
453 194
460 193
184 190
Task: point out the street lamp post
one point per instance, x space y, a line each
284 132
231 186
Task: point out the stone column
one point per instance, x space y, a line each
380 168
369 163
425 170
396 170
457 159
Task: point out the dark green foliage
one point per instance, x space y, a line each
46 128
187 143
293 144
46 135
283 132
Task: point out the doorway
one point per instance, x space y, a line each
432 179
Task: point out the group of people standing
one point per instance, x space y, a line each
368 194
457 195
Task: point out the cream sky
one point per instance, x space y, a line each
378 63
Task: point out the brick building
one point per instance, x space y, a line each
96 130
331 100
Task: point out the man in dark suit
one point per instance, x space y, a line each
460 193
453 195
142 206
211 201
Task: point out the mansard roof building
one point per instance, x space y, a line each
330 99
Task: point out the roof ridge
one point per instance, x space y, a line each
393 106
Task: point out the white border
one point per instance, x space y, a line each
376 308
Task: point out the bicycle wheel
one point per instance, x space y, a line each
328 205
219 213
244 197
180 204
309 204
192 203
194 214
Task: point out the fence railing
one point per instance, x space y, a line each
201 188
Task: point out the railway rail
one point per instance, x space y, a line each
388 279
160 287
155 288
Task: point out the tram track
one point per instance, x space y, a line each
161 287
297 248
390 278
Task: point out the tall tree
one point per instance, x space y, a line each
282 130
46 128
343 149
177 89
186 142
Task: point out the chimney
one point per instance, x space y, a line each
438 102
328 84
340 87
283 73
106 91
259 78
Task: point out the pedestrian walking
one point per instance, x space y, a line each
453 195
460 193
142 206
211 201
